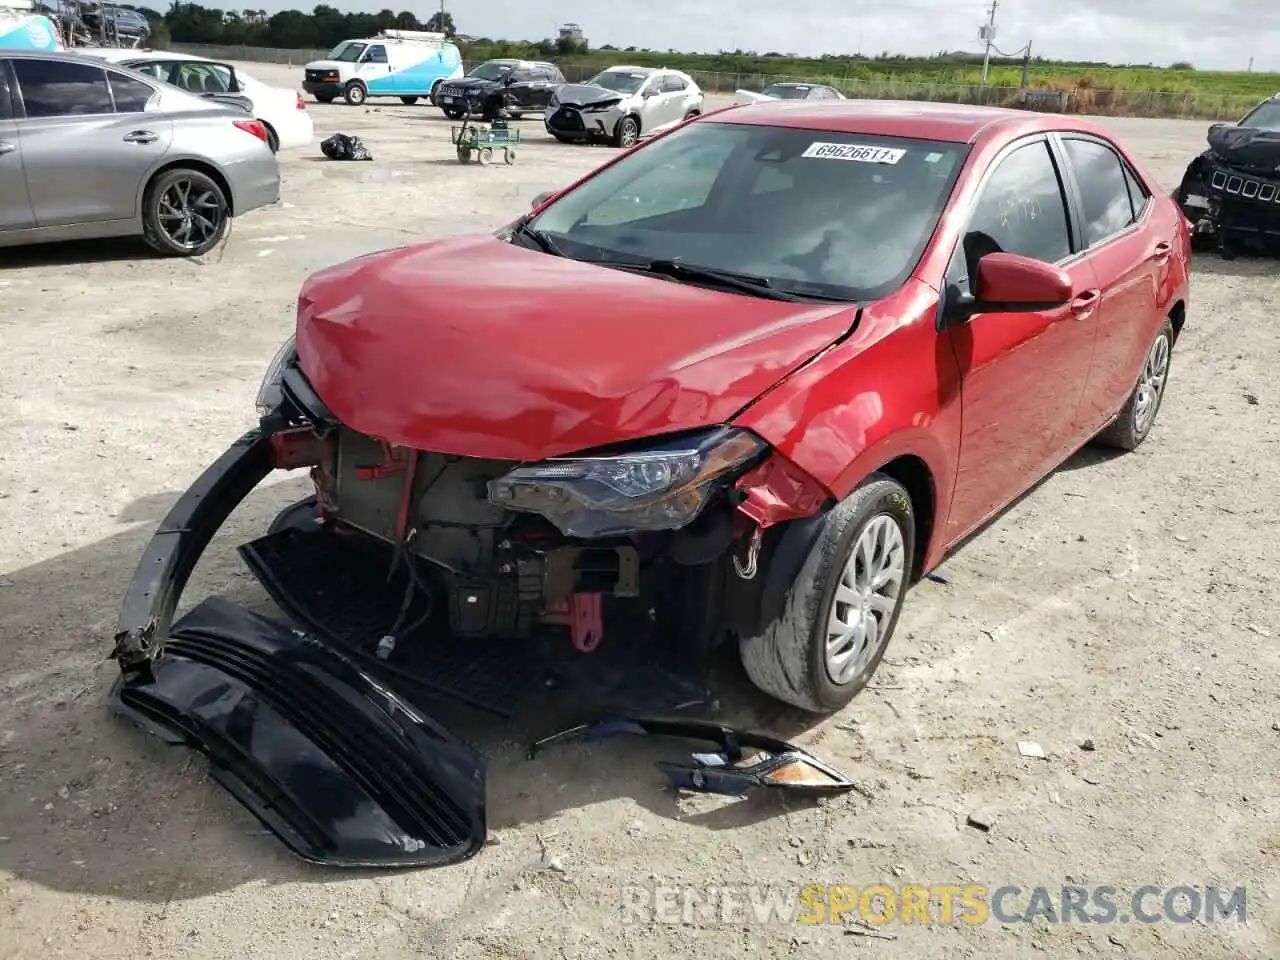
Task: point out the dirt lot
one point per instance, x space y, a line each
1129 601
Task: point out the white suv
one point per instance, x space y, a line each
622 104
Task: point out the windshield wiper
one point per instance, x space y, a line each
678 270
545 243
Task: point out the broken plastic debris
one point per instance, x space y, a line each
1029 748
780 764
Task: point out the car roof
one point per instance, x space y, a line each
624 69
66 56
947 122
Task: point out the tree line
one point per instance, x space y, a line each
325 27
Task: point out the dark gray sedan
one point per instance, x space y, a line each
91 150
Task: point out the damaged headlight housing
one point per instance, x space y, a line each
269 394
661 487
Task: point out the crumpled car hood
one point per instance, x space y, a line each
587 94
471 83
476 347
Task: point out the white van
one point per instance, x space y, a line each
21 28
396 63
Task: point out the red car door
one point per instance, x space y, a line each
1022 374
1130 254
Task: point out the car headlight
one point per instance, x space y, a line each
662 487
270 394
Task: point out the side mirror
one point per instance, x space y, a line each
1009 283
541 198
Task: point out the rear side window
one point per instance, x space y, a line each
53 88
1137 195
1021 210
554 74
672 84
1104 192
131 95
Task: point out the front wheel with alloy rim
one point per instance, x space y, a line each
355 93
1139 413
628 132
185 213
840 612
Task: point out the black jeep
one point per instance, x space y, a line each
1231 192
495 87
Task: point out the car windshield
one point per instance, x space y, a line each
347 52
491 71
619 81
837 215
786 91
1265 116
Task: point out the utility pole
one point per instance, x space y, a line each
988 33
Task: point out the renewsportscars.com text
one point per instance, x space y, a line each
926 904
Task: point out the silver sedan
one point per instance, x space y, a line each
90 150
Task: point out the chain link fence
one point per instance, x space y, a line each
1133 103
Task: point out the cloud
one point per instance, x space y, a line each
1212 34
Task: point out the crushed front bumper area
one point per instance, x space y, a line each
342 769
323 738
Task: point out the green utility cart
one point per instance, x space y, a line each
477 142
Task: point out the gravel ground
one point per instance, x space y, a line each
1128 601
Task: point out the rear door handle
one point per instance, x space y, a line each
6 147
1084 305
1162 251
140 136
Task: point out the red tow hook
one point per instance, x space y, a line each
586 620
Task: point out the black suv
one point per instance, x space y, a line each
514 86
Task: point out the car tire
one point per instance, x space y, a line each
789 660
627 132
453 113
514 114
158 199
431 97
691 114
355 93
1139 413
408 101
273 141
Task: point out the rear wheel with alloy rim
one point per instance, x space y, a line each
841 610
1139 413
185 213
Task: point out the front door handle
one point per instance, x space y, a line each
1084 305
1161 252
7 147
140 136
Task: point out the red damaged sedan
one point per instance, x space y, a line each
744 384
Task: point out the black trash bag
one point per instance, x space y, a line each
344 147
1246 147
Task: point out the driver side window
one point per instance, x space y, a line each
376 54
1021 210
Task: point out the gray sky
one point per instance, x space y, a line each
1212 34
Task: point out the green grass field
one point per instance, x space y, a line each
1141 91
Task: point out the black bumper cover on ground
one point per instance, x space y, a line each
342 769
